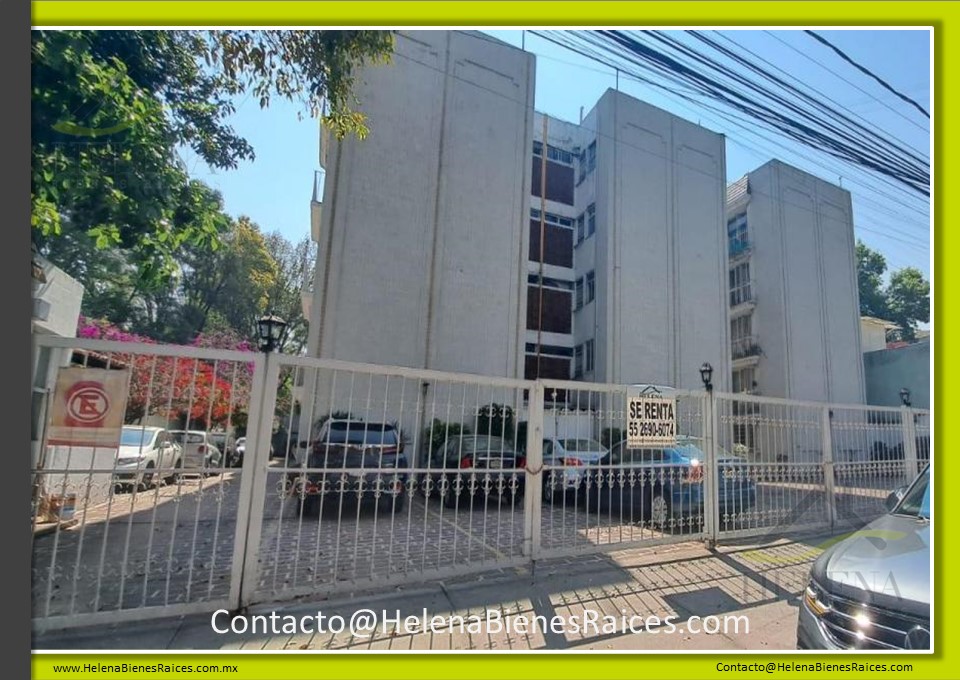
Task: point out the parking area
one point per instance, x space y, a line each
175 543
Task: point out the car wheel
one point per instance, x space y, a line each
175 475
146 479
310 505
659 510
392 503
551 495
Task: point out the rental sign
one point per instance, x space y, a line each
651 421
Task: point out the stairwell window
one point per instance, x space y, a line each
591 220
591 288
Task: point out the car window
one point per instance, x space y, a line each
187 437
917 501
136 436
547 447
484 444
581 445
367 434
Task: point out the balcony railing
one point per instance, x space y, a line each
741 295
745 347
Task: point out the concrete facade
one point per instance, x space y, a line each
658 254
794 303
423 235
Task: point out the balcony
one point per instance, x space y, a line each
742 300
746 347
738 249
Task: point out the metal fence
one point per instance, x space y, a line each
358 475
157 526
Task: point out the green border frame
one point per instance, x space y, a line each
944 17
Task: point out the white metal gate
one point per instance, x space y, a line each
358 475
156 527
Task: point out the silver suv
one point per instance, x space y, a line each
872 590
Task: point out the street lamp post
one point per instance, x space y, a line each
706 374
270 330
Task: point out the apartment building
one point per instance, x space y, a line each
793 298
493 240
422 227
649 255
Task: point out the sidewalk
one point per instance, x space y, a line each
762 582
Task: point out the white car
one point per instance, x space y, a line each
145 453
572 454
199 451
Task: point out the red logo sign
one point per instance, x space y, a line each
87 404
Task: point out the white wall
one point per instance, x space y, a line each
807 319
873 335
660 249
423 253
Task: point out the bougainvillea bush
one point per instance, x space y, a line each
199 393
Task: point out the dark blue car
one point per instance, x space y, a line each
664 486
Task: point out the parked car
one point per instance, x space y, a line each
353 457
475 471
145 452
872 590
666 483
227 445
573 455
199 451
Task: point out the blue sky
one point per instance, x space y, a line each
275 189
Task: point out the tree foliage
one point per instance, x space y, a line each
111 108
195 392
905 299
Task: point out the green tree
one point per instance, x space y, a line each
295 264
110 109
871 267
908 300
232 282
905 299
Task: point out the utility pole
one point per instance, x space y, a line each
543 228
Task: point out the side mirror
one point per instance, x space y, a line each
895 497
302 443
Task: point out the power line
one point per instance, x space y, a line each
864 69
848 82
584 49
620 142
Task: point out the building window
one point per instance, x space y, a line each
743 343
744 379
591 157
550 218
740 328
591 220
582 164
553 153
737 242
740 284
591 288
580 223
578 294
578 361
548 282
549 350
588 356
